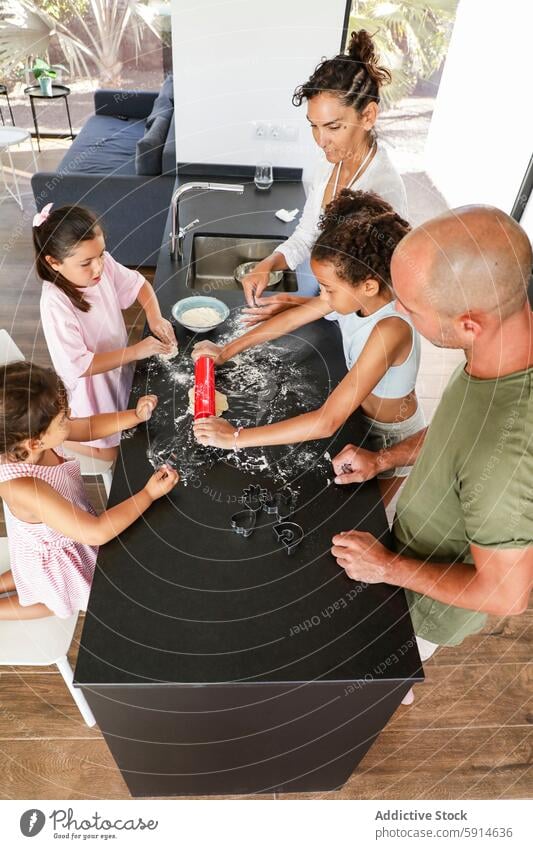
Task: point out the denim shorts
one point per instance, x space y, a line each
381 435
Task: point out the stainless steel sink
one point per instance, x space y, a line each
215 258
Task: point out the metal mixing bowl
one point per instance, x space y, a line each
245 267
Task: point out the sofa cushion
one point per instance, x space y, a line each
164 102
105 145
149 151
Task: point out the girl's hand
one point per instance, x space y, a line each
161 482
145 407
149 347
163 330
256 281
207 349
214 431
266 308
355 465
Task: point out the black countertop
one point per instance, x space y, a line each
179 597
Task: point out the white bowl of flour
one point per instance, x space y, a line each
200 313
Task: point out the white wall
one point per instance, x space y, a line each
238 61
481 134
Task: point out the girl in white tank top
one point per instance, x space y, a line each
351 260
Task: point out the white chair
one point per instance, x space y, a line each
94 467
9 352
40 642
89 466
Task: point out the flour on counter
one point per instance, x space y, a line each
262 385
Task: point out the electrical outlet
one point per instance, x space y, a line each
268 131
260 130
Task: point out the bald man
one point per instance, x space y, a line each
464 521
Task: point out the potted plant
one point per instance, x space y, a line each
45 74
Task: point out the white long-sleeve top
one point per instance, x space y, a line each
381 177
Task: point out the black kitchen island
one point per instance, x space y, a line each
219 664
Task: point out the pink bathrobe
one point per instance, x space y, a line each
73 337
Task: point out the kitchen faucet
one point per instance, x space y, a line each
177 234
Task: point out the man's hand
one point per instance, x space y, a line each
355 465
265 308
145 407
207 349
362 557
214 431
163 330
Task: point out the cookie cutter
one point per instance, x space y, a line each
254 496
244 522
280 504
289 534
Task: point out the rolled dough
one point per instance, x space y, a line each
221 402
171 355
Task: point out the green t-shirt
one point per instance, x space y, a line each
472 483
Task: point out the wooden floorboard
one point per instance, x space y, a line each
482 696
65 769
467 735
479 763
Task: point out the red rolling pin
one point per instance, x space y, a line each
204 388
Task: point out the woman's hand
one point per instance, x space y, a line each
255 283
145 407
214 431
161 482
207 349
164 331
149 347
355 465
265 308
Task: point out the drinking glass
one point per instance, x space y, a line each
264 175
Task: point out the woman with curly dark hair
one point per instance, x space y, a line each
342 96
351 259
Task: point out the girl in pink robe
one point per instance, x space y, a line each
84 293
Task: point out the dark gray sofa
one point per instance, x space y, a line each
121 169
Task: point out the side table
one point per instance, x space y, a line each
58 91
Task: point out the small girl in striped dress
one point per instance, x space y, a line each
53 531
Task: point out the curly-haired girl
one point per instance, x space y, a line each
351 259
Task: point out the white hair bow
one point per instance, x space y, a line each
42 215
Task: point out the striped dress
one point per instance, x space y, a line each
48 567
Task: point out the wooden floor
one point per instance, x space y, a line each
468 734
